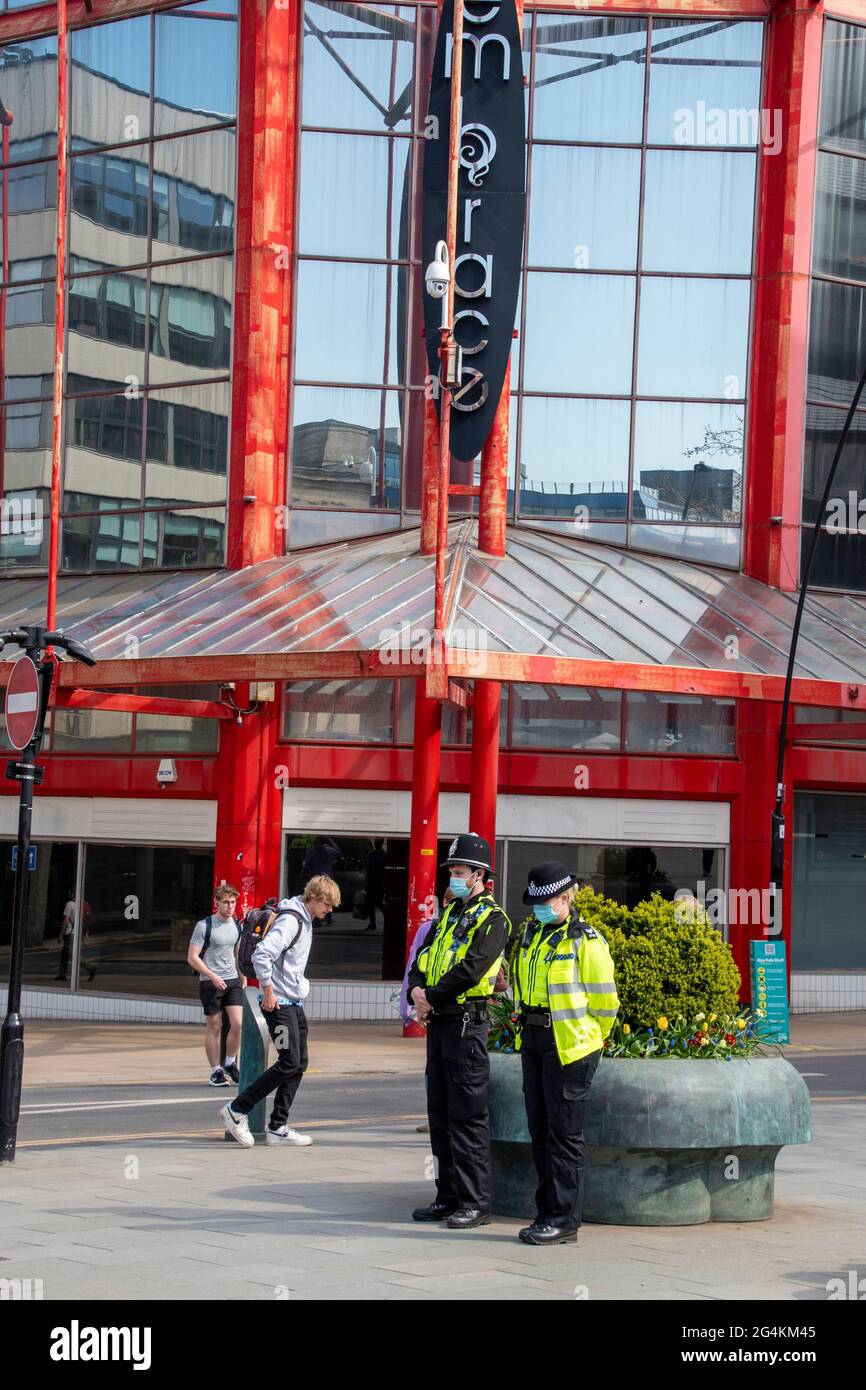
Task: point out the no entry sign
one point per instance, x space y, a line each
22 702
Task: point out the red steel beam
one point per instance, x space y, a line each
463 665
6 125
141 704
37 20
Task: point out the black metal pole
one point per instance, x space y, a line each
777 820
12 1036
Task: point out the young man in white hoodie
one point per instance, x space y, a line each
279 961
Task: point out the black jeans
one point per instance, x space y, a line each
287 1025
458 1073
556 1098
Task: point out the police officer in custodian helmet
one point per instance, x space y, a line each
450 985
562 979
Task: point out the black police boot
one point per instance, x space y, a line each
465 1218
543 1233
437 1211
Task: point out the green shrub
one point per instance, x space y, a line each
676 979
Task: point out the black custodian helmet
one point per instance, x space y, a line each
470 849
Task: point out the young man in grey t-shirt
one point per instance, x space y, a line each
221 984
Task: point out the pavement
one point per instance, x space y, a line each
124 1187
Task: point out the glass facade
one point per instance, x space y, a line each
552 717
837 328
151 208
639 222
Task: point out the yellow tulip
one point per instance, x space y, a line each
662 1023
713 1018
626 1030
741 1023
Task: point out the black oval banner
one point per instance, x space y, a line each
490 207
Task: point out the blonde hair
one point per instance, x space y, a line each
323 888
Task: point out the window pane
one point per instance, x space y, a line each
706 545
693 337
342 456
108 198
705 82
698 212
189 94
560 355
589 78
843 82
194 194
358 72
109 83
837 342
187 445
840 557
344 195
26 503
29 346
192 305
688 462
840 217
183 539
147 955
28 71
829 881
341 323
103 453
93 543
47 949
341 710
173 733
109 326
678 724
584 207
456 722
32 221
574 458
92 731
562 716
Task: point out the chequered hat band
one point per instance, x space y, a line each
536 889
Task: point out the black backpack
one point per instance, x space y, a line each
257 924
208 932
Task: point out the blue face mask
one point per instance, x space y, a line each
460 887
544 913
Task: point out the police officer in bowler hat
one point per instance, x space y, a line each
450 984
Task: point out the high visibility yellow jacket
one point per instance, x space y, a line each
567 969
474 932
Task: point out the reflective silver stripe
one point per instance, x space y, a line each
604 1013
569 987
593 987
556 1014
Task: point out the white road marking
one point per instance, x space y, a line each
69 1107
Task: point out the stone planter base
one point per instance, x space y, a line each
670 1142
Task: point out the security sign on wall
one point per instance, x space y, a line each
490 207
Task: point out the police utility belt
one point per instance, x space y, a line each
472 1011
534 1016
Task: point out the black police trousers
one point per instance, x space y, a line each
458 1072
556 1098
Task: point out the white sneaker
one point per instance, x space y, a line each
284 1135
238 1126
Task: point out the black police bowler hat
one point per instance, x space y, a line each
547 881
470 849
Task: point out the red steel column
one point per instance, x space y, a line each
778 375
267 160
492 504
59 320
485 760
6 124
249 803
427 742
